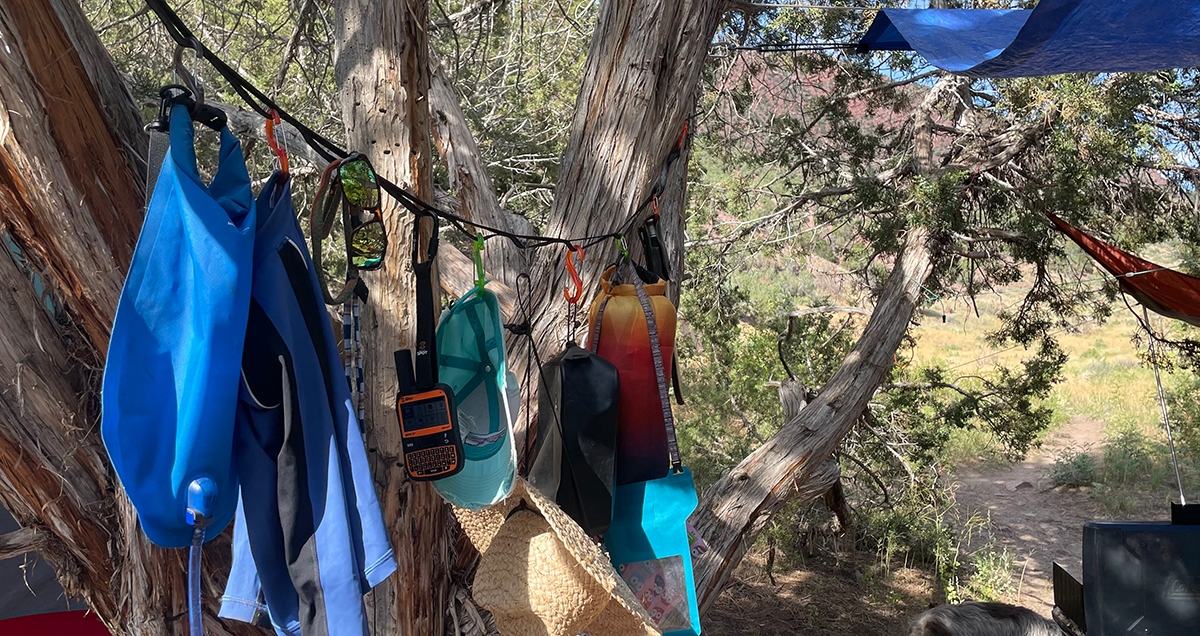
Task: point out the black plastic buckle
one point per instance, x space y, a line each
172 94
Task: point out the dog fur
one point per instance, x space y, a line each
982 619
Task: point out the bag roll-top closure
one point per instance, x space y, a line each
656 288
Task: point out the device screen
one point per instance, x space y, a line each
424 414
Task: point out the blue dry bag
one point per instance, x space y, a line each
171 378
649 545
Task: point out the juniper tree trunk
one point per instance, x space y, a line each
791 464
383 74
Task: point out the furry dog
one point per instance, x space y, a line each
982 619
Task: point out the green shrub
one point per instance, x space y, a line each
1073 469
992 578
1129 458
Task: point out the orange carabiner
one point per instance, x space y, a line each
654 205
273 121
574 273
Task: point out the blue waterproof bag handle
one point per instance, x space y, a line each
174 360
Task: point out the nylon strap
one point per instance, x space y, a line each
656 353
595 339
659 369
425 352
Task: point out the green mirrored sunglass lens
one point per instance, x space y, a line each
367 246
358 183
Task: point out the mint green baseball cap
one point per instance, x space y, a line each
471 361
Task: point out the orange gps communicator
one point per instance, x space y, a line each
425 408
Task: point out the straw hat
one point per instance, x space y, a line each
540 575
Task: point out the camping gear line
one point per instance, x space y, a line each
221 311
262 104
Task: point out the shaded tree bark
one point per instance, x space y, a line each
71 202
383 71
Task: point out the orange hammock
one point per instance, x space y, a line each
1159 289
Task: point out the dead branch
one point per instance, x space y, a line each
19 542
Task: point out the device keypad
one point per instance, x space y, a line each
431 461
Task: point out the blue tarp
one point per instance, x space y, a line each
1057 36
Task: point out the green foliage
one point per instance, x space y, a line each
992 578
1073 469
517 68
1184 403
737 327
1009 405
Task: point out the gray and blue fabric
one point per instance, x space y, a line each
471 361
1056 36
171 376
309 540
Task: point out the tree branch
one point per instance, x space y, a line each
829 309
468 176
293 44
732 511
19 542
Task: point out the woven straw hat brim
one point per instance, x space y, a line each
625 617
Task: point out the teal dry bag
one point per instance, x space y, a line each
171 378
648 539
650 547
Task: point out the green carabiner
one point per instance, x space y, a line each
479 279
623 247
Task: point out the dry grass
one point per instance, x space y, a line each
832 594
1103 378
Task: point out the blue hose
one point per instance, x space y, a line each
195 620
202 492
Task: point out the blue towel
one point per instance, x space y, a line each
309 536
171 377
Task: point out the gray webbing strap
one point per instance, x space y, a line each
656 353
595 339
660 371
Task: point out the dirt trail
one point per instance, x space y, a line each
1038 524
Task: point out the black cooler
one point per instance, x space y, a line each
1141 579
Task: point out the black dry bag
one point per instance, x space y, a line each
578 403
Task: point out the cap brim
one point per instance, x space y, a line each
482 482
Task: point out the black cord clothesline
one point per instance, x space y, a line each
263 105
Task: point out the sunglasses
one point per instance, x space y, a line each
367 242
